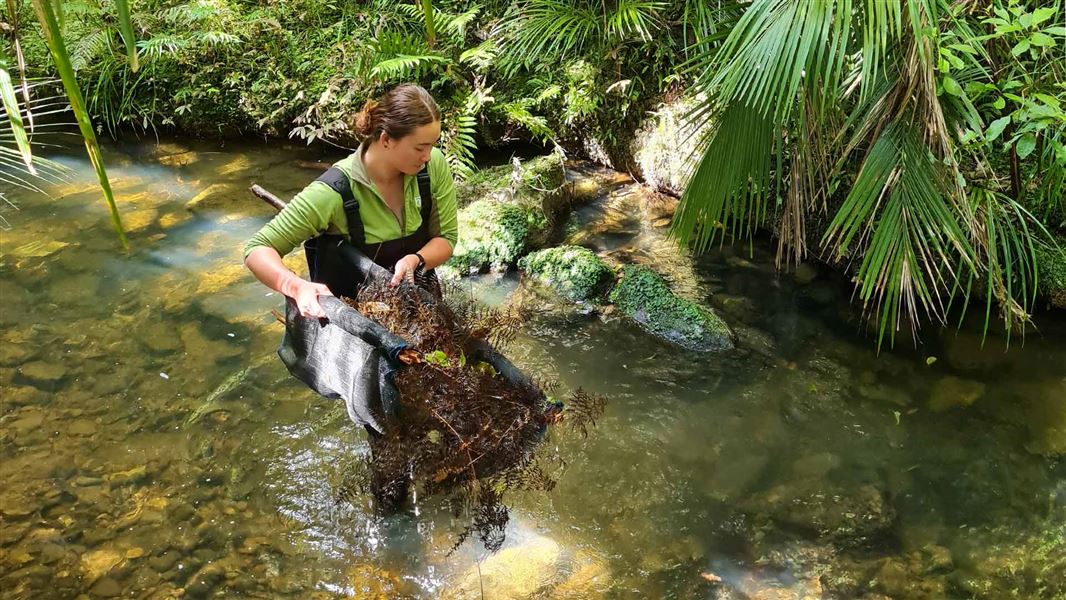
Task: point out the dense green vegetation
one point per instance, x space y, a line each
501 71
919 144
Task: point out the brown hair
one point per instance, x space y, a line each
399 112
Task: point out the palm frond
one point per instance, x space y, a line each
1008 237
14 121
900 203
546 29
635 18
776 46
728 192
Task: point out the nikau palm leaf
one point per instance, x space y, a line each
14 119
797 103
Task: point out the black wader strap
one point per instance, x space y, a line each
336 179
426 195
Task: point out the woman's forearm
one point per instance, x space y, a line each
436 252
265 263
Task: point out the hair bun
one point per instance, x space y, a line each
364 121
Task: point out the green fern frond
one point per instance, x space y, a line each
404 66
162 45
481 56
217 38
518 113
89 47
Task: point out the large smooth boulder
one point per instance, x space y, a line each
645 297
572 271
527 183
665 148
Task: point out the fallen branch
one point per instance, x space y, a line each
267 197
313 164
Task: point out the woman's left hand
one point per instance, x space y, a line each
405 269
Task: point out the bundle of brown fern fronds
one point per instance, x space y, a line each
465 429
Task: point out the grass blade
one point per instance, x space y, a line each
50 28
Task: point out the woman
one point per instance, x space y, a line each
380 201
400 230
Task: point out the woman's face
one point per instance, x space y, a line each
411 152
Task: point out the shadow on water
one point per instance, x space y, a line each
153 443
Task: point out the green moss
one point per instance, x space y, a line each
644 296
1052 265
535 182
494 235
572 271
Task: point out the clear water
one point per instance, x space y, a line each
152 443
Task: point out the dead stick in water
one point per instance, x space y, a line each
313 164
267 197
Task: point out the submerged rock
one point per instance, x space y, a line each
951 392
572 271
847 516
1006 562
646 298
98 563
41 372
214 196
518 572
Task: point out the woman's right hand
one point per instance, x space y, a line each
306 294
265 263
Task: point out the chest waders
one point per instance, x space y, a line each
331 258
361 346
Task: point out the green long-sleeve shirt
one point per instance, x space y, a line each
319 209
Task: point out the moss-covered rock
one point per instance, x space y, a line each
1052 264
494 235
527 183
508 211
572 271
644 296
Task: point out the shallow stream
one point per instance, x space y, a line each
154 446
